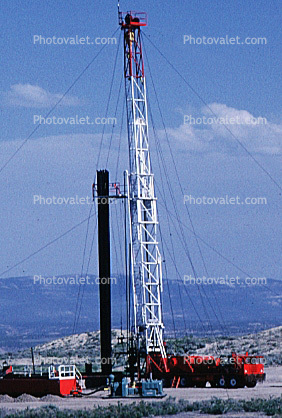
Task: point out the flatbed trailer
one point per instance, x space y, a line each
234 371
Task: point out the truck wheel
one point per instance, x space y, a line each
233 383
166 383
251 384
221 382
201 384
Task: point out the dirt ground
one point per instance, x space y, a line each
272 387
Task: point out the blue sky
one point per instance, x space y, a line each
60 160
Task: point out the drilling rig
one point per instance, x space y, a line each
149 365
145 257
147 354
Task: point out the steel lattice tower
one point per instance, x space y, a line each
146 262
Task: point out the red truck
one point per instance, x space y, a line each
234 371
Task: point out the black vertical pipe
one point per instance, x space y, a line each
32 359
104 270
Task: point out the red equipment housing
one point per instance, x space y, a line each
237 370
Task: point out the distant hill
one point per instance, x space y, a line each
267 343
85 347
77 348
31 314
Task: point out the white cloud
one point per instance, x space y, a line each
257 134
28 95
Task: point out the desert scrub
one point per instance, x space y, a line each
270 407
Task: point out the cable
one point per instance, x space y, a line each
173 256
87 269
111 139
99 389
193 229
220 254
108 103
213 113
173 253
83 259
77 312
55 105
189 297
185 247
119 144
46 245
182 191
168 288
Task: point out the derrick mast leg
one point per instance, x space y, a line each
146 260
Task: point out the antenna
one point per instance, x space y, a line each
120 20
118 12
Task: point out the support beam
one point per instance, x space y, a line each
104 270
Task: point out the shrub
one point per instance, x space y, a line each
169 406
